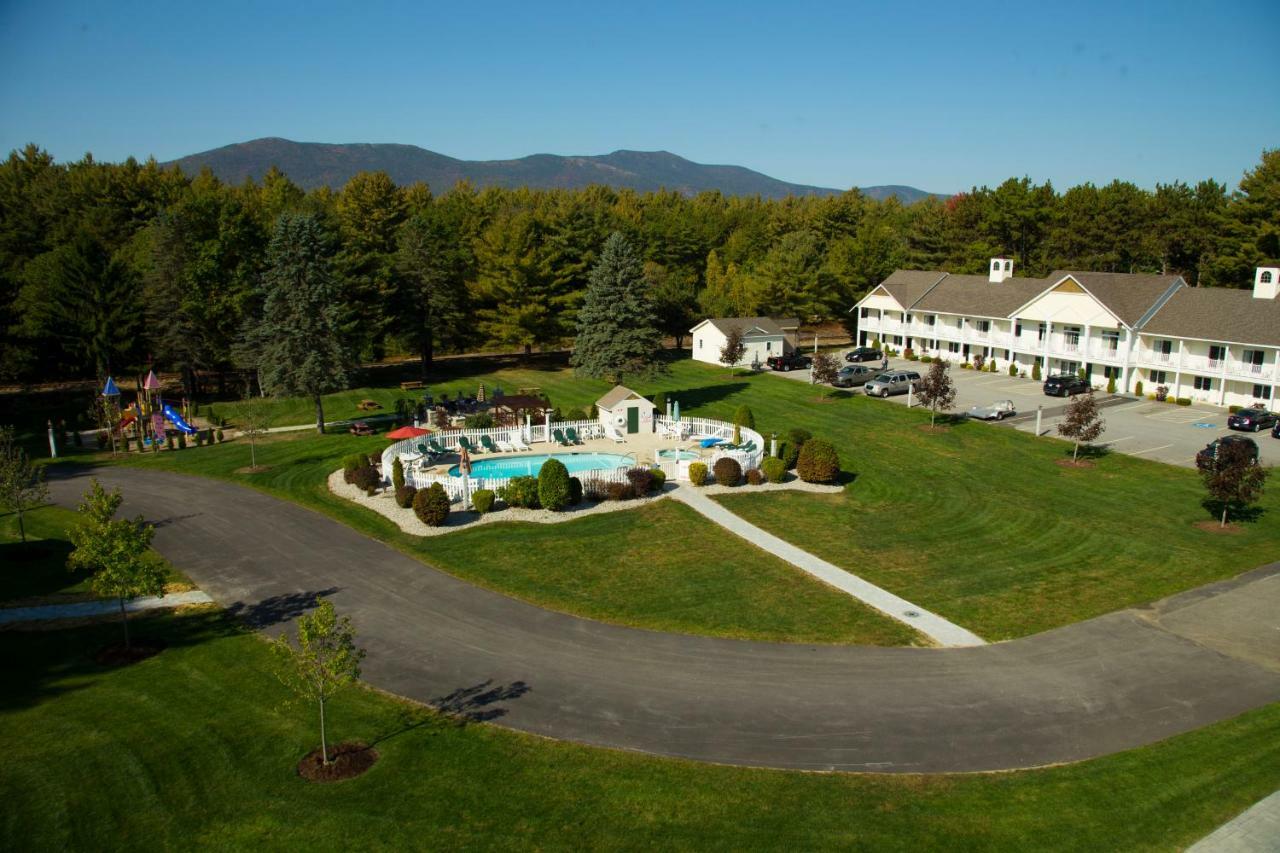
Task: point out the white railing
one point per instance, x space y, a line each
1150 356
1105 352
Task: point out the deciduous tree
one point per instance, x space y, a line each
253 418
825 368
936 390
22 485
1082 424
1233 477
734 347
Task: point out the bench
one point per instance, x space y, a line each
412 386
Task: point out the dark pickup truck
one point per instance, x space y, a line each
790 361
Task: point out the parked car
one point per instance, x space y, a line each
1065 385
863 354
1253 420
891 382
852 375
1210 451
1275 430
789 361
361 428
997 411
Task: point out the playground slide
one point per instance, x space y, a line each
176 419
126 421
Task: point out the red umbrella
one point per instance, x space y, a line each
407 432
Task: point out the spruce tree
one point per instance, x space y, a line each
303 351
617 329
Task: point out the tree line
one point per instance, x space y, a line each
108 267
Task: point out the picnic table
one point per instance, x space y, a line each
361 428
368 405
415 385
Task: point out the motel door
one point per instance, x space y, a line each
633 419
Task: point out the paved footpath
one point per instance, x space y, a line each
936 628
81 609
1119 681
1257 830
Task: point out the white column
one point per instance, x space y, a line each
1128 356
1222 376
1177 371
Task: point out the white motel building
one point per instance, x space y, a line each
1219 346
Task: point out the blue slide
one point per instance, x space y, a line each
176 419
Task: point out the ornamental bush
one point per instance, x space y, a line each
641 480
744 418
774 469
798 436
404 496
1137 388
619 491
397 473
1111 385
789 454
1013 368
367 479
595 490
553 485
1035 371
352 464
926 359
754 477
727 471
480 420
1184 401
575 491
431 505
482 500
521 492
818 462
659 479
698 473
660 402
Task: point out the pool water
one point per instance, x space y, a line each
681 455
528 466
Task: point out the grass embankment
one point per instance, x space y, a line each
195 748
661 567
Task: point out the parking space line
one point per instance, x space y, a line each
1112 441
1148 449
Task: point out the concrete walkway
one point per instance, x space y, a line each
81 609
1257 830
941 631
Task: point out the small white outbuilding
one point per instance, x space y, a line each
762 337
625 411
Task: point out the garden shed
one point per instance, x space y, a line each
625 411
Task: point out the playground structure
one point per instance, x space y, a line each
146 417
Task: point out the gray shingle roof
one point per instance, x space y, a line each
1218 314
616 395
768 325
977 296
1126 295
907 286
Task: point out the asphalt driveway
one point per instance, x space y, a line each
1112 683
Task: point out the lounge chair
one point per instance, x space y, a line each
466 444
489 445
558 435
436 448
573 436
612 433
517 441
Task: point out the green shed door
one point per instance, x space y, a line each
633 419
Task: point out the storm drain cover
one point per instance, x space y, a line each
911 614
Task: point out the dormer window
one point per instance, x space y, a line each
1266 276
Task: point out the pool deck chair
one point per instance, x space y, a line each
558 435
436 448
573 435
489 445
466 445
517 441
610 432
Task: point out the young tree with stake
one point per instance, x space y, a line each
22 485
324 661
936 390
734 348
1082 424
1233 477
254 419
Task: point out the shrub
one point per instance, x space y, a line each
754 477
480 420
798 436
926 359
1081 373
595 490
744 417
352 464
788 454
1035 371
727 471
619 492
404 495
482 500
1137 388
660 402
641 480
575 491
553 485
818 462
431 505
966 366
979 360
1162 392
698 473
774 469
521 492
1233 409
910 355
1013 368
1184 401
1111 385
659 479
397 473
367 479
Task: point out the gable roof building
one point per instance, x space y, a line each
1215 345
762 336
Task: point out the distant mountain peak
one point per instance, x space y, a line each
316 164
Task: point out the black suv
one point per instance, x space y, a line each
852 375
790 361
863 354
1066 385
1210 451
1253 420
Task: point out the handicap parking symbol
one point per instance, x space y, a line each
1203 425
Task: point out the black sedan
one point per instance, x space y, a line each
852 376
1066 385
1253 420
1211 449
864 354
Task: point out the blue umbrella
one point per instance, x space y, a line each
676 410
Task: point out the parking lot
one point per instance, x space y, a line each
1160 431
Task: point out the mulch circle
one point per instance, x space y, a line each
1073 463
119 655
1216 527
346 761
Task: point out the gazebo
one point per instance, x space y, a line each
512 409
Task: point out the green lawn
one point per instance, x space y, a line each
668 569
195 748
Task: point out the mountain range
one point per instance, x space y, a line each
317 164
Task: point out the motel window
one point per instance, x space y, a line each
1217 353
1111 339
983 325
1262 392
1040 333
931 319
866 312
1203 383
768 345
1109 372
699 343
952 346
1157 376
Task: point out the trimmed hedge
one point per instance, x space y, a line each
774 469
1184 401
818 462
788 454
575 491
521 492
553 485
727 471
744 417
698 473
619 491
404 496
482 500
397 472
367 479
659 479
754 477
431 505
641 480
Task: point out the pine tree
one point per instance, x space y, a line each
303 351
617 331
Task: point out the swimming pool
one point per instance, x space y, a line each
680 455
528 466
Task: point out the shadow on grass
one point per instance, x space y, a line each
1095 451
38 568
691 398
1235 512
278 608
475 704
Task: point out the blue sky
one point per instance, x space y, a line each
842 94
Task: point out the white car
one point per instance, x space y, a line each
997 411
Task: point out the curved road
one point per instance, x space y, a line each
1115 682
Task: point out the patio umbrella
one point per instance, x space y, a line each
480 394
408 432
676 410
464 468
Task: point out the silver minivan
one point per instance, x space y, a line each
891 382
